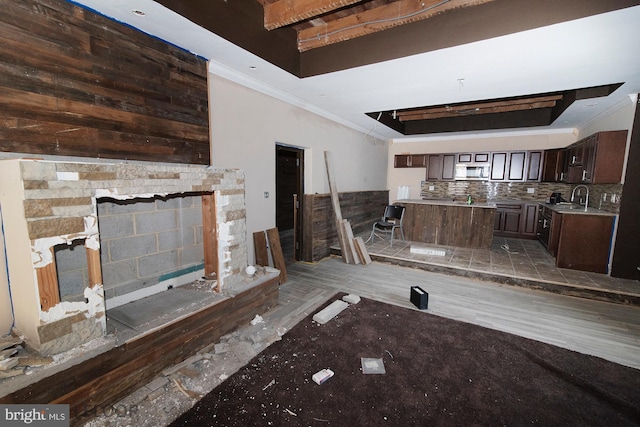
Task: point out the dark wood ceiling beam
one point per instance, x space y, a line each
286 12
377 19
479 108
476 111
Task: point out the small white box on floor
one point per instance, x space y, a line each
321 376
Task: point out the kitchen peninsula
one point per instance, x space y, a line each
448 223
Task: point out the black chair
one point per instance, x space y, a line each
391 221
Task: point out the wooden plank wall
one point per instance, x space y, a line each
361 208
75 83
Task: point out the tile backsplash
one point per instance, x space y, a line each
483 191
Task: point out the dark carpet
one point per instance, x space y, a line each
438 372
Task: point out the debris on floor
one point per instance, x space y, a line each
14 358
179 387
329 312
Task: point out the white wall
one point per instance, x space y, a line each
246 125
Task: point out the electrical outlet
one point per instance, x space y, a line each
266 194
531 190
432 187
604 197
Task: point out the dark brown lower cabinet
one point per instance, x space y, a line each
518 220
584 242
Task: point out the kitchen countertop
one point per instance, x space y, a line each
448 202
572 208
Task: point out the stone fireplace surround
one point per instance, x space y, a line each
47 203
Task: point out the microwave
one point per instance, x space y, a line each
470 171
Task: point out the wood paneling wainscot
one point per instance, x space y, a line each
361 208
74 83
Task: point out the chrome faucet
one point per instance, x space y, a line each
586 200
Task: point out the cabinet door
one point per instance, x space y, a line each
608 160
516 166
448 167
418 160
512 221
588 159
534 166
507 221
465 157
553 166
498 166
530 220
481 157
434 167
586 251
402 161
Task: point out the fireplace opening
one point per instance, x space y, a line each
148 245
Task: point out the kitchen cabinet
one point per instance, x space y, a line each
529 228
441 167
473 158
597 159
518 220
516 166
410 161
584 242
553 165
498 166
578 241
448 167
534 166
507 220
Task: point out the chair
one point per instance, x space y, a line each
391 220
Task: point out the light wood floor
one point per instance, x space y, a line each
607 330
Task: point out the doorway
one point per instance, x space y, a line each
289 191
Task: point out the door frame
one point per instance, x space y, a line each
298 217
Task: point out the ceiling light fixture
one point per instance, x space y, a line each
138 12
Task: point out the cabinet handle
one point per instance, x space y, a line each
584 174
561 176
544 223
573 160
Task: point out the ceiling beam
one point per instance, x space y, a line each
479 108
476 111
286 12
377 19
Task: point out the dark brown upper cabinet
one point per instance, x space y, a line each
410 161
597 159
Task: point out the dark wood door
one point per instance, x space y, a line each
402 161
553 165
530 220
